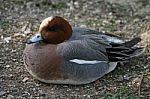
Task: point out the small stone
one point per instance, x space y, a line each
7 66
19 34
76 3
88 96
77 89
118 21
65 86
148 58
126 77
2 37
136 20
14 60
7 39
110 13
10 75
25 79
83 26
105 22
2 93
103 31
2 62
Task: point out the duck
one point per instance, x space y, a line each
61 54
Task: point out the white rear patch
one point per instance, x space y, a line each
114 39
79 61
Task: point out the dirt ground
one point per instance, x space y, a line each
19 19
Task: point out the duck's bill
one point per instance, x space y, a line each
35 39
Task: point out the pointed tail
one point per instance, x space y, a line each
136 50
125 51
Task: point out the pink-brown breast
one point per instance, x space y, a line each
43 61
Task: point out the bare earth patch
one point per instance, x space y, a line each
21 18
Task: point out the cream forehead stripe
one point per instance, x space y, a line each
45 22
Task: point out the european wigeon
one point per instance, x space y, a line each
61 54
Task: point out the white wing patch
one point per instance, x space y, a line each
79 61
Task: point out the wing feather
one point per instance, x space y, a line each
85 49
86 44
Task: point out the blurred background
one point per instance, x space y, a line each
19 19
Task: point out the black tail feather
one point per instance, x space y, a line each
132 42
124 51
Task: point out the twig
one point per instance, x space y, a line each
139 89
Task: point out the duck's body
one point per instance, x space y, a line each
86 56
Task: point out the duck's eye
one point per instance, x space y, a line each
55 28
52 28
38 36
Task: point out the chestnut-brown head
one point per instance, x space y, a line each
53 30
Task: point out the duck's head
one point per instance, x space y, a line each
52 30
